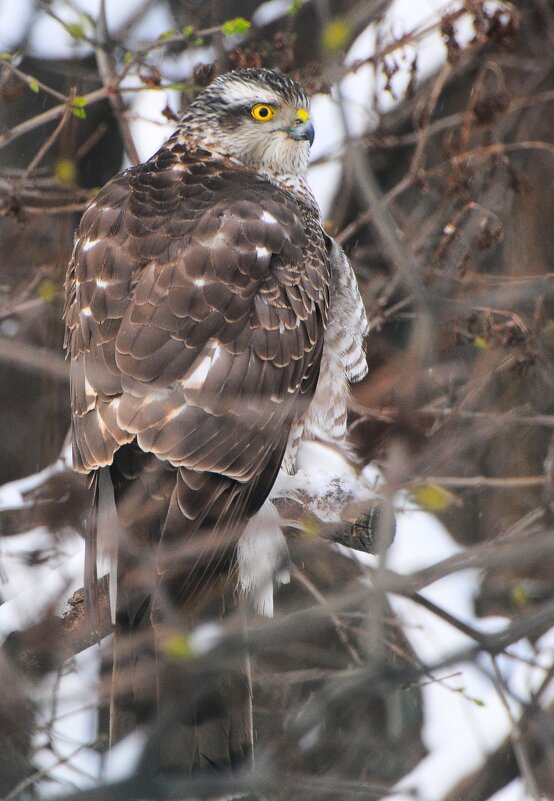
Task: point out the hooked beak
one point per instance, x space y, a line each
303 131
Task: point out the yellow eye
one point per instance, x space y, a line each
262 112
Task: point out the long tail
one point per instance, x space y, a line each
201 717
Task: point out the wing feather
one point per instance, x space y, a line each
196 304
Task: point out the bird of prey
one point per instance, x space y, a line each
212 325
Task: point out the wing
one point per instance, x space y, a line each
197 298
343 359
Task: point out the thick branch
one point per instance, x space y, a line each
47 644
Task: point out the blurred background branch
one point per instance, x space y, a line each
433 166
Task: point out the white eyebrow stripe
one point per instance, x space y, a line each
240 91
262 252
268 218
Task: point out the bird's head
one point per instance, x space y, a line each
260 117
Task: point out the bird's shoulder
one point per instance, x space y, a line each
176 190
195 223
205 213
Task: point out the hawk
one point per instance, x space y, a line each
212 325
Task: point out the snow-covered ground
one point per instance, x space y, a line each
464 718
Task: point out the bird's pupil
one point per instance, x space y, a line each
263 112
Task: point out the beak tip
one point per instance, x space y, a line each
304 132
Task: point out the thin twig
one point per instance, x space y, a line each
43 149
339 628
47 116
516 736
480 482
408 181
30 80
506 550
105 60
